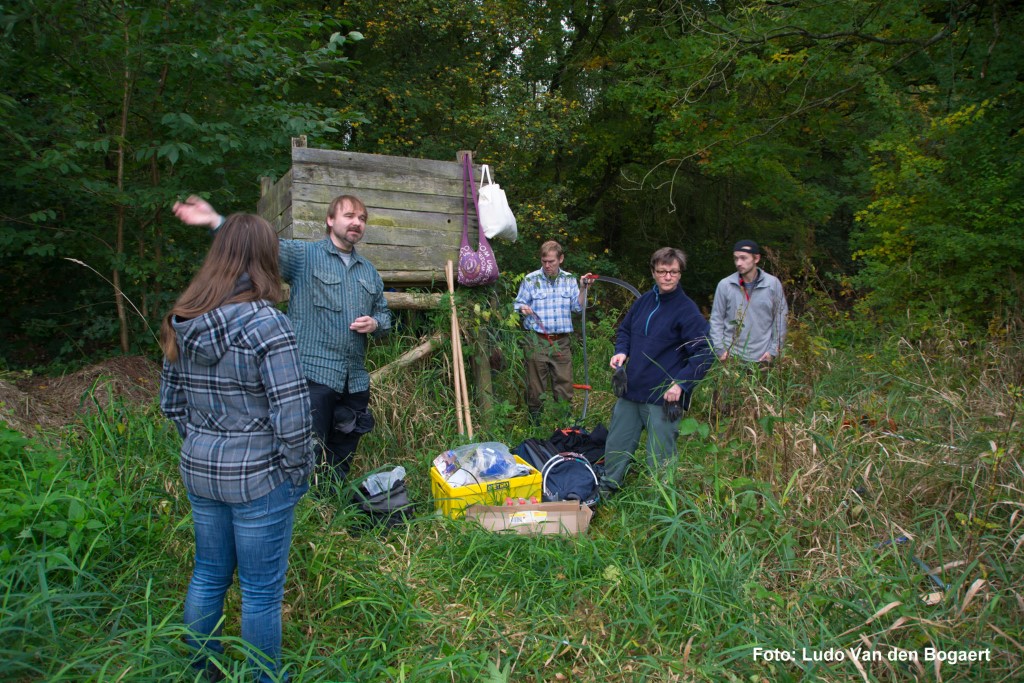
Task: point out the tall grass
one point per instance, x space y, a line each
805 508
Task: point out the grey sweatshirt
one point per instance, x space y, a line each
749 329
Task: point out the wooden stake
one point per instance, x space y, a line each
455 350
465 390
460 361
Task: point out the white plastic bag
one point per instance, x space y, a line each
477 462
495 216
383 481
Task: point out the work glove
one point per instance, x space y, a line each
619 381
672 410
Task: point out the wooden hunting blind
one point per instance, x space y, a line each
414 205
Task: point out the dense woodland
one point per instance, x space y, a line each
874 147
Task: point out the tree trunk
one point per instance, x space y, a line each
423 349
480 359
122 313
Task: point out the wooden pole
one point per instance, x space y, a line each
412 301
465 390
455 350
397 301
462 389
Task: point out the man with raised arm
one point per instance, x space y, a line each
336 302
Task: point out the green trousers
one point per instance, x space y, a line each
629 419
548 363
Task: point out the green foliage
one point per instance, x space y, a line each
616 129
114 112
943 233
82 518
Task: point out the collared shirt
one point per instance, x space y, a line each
239 400
326 296
554 300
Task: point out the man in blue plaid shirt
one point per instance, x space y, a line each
547 299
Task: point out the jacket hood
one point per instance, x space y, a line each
205 340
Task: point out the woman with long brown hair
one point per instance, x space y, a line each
233 386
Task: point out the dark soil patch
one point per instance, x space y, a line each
30 402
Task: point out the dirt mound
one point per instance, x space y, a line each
31 402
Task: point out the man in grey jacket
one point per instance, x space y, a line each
748 317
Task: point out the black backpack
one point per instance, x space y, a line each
535 452
570 476
581 442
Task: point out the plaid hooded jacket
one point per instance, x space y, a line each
240 402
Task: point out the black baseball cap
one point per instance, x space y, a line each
747 246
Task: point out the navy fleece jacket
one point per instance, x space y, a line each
666 339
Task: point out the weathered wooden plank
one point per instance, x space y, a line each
308 229
283 224
398 301
431 239
409 258
385 219
410 278
397 249
378 162
313 228
387 237
397 237
336 176
413 301
279 198
377 199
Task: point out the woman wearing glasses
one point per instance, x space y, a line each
662 346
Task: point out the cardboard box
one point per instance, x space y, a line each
453 500
566 517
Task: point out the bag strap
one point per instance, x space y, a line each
467 178
468 161
485 175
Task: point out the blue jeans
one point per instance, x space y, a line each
253 537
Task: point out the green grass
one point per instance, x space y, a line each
771 534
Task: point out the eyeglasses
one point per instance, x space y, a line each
667 273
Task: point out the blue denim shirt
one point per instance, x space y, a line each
553 300
326 296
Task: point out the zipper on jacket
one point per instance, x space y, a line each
657 298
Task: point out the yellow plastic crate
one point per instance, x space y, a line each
453 501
